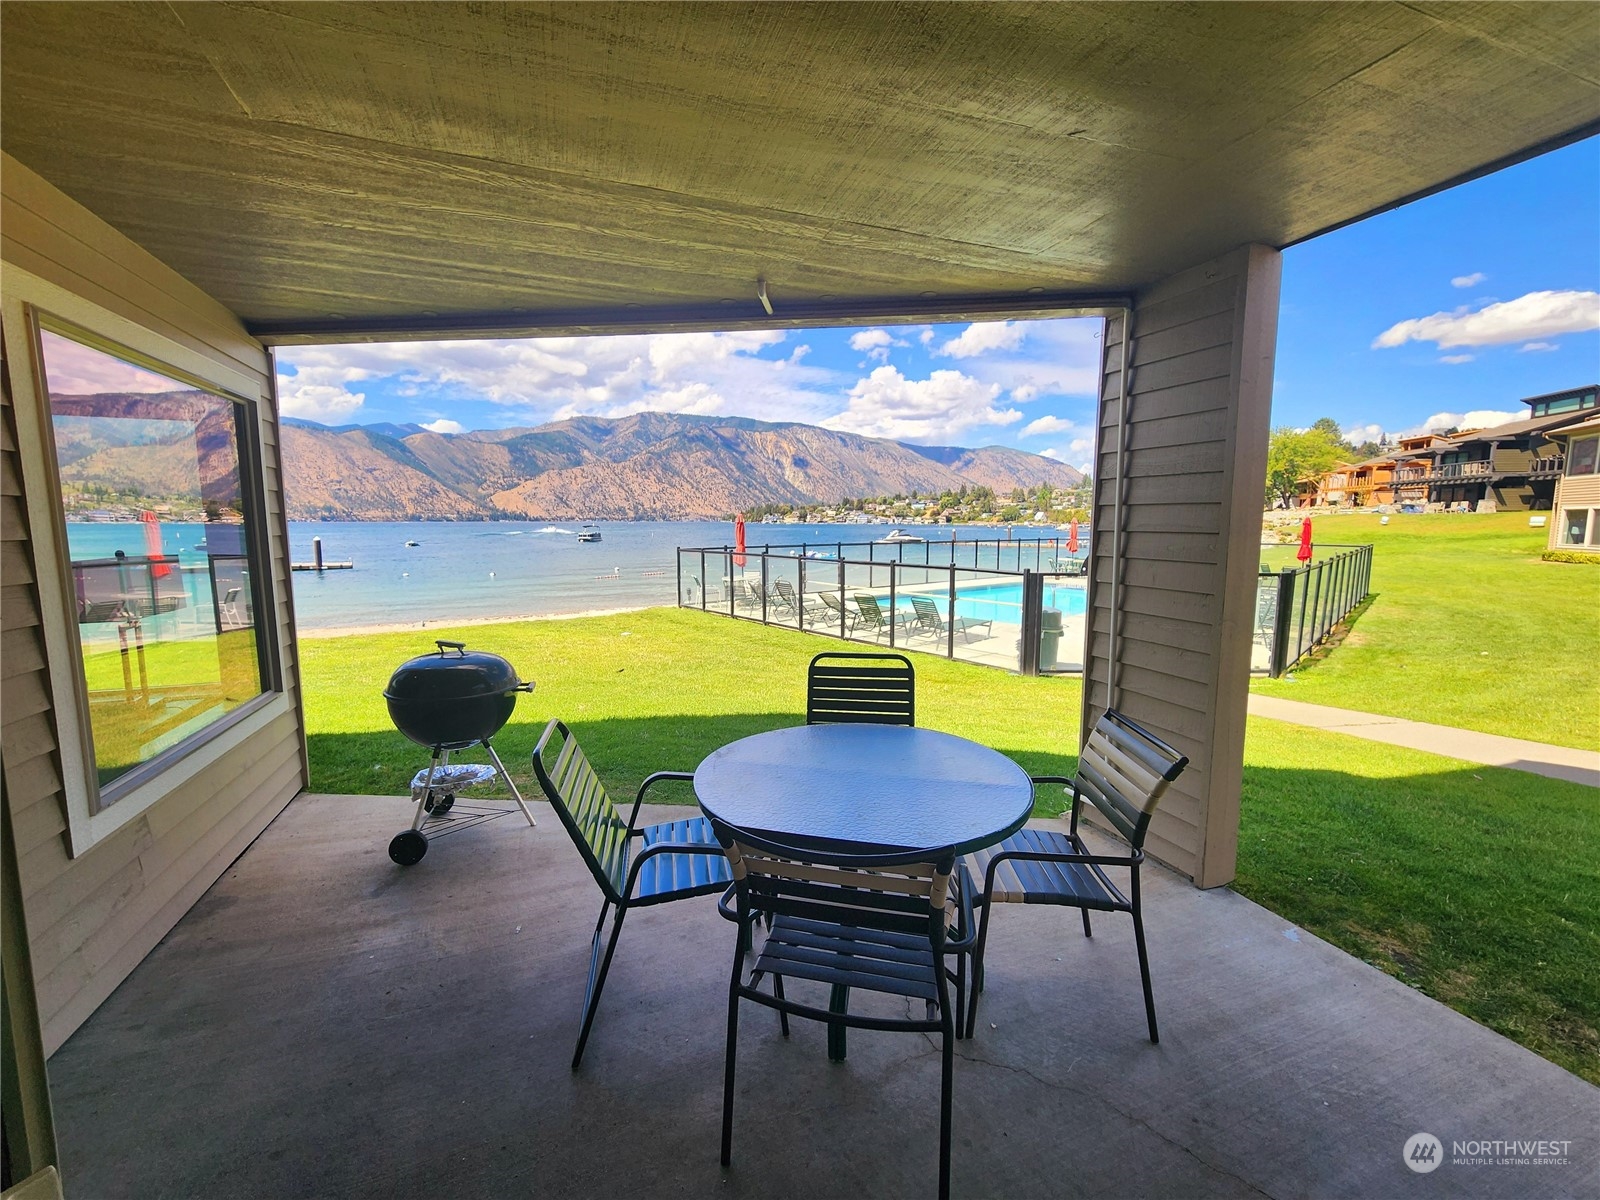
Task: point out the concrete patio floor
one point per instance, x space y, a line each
324 1023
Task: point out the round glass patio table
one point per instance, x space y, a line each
882 785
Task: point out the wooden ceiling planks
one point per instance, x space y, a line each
310 164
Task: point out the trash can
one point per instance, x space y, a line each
1049 638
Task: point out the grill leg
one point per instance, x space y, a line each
422 812
510 783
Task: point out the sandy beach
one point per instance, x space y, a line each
465 623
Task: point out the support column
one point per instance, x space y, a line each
1179 484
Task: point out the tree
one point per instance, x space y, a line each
1329 427
1294 454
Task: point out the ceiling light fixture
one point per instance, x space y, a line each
761 295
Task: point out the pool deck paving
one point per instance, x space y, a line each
1538 758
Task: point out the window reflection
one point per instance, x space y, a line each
162 566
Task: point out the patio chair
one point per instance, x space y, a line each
676 859
836 611
871 614
929 620
877 689
806 606
851 920
783 599
745 594
1123 771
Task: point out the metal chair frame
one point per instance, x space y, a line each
1083 882
828 923
627 880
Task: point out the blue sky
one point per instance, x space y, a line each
1445 312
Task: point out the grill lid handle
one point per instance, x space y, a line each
526 686
459 647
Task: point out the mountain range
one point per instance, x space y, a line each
666 466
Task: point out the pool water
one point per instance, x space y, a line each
1003 601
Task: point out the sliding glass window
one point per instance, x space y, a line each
167 579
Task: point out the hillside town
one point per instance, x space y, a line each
979 505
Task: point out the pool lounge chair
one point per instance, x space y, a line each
931 621
837 613
872 615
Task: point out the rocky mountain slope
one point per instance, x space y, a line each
653 465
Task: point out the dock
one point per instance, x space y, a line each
318 563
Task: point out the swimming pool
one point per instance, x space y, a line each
1002 601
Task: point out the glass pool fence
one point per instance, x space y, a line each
1017 604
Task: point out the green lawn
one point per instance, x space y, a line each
1478 886
1467 627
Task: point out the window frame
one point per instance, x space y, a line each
1594 462
96 811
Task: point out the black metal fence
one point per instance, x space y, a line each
1019 605
1013 607
1298 607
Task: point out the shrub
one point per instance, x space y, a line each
1572 556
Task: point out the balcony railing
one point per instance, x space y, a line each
1480 469
1552 464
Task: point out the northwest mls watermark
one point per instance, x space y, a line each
1424 1153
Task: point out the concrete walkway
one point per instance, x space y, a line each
1555 762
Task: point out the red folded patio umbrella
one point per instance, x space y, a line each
738 539
1072 536
1304 553
152 544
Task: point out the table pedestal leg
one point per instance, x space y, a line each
839 1002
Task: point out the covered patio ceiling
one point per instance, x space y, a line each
345 171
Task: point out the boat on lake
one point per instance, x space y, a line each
588 534
896 537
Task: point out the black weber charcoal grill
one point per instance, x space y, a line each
448 701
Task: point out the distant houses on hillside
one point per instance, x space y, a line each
1512 467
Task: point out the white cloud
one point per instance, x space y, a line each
942 407
926 336
1456 358
73 369
982 337
875 343
1479 418
1045 425
318 401
1466 281
1538 346
1022 393
540 379
1537 314
443 425
1363 433
1052 452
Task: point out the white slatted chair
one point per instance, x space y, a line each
1123 771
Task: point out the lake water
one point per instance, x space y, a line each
462 571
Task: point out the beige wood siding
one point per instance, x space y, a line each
94 910
1182 569
1573 491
